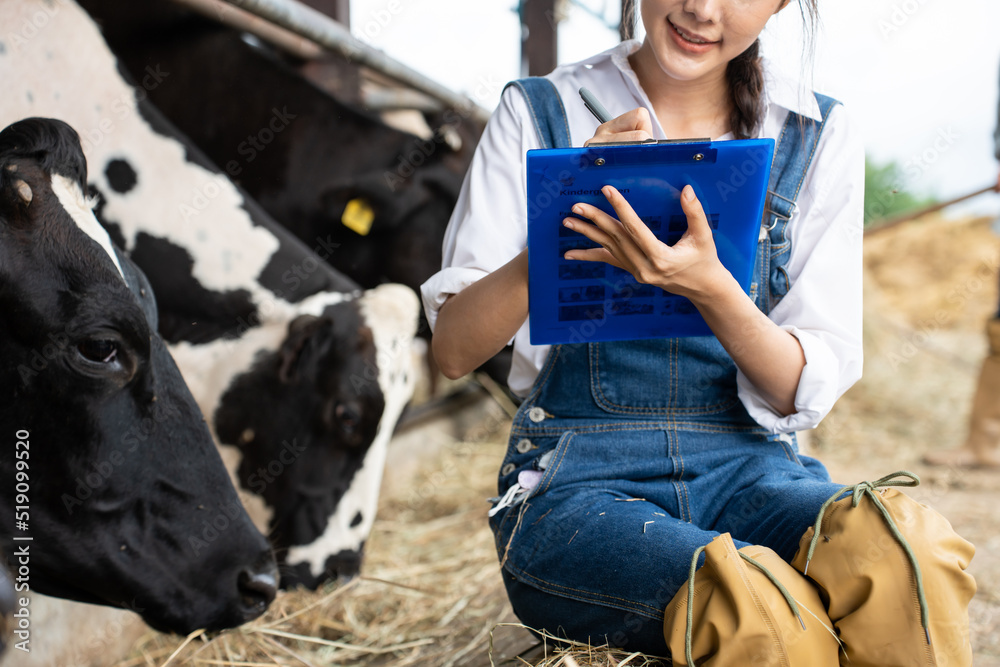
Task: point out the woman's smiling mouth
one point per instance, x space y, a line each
690 41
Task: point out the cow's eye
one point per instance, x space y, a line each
99 351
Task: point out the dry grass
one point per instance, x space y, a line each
429 594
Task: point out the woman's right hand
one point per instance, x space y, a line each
633 125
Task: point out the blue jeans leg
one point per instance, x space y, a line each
777 509
590 564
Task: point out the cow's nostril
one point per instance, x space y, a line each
258 586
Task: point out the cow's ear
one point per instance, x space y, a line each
300 331
15 194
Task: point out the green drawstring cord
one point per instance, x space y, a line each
690 605
869 489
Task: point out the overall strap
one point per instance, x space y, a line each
793 154
547 110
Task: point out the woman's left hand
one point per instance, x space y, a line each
690 268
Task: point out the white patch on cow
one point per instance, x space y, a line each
81 210
391 311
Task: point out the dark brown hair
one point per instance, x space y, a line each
744 74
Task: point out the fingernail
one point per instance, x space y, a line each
688 193
568 223
578 209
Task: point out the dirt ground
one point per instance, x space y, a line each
930 287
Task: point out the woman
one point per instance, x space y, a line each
627 460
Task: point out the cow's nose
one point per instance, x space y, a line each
258 585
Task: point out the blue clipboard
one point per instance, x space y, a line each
571 301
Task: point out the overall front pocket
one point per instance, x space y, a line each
662 378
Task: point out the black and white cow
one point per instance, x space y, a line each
300 374
319 166
109 470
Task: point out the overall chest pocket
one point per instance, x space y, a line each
664 377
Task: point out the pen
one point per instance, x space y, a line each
595 107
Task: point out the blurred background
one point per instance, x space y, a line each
910 71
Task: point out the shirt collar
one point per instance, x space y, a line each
778 89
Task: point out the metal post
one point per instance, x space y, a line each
328 33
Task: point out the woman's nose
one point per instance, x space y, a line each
704 11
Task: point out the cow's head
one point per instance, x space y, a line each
106 458
311 420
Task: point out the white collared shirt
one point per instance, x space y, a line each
823 307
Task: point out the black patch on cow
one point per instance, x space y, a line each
159 123
343 566
121 176
295 271
302 459
189 311
356 521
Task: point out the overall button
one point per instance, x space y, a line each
524 446
508 469
536 414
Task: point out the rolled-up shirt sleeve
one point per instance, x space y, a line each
488 227
823 306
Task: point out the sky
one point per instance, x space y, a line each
919 77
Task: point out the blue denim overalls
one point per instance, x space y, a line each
628 456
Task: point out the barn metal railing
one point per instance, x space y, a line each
321 29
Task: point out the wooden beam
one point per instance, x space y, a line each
540 46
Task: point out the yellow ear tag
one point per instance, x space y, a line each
358 216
